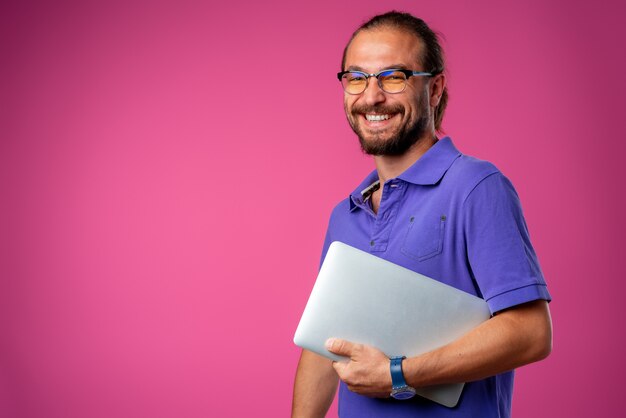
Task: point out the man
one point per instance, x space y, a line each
438 212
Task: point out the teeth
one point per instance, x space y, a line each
377 117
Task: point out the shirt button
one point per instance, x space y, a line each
372 243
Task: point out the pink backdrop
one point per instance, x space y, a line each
165 192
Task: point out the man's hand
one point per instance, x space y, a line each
367 372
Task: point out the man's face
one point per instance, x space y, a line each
387 124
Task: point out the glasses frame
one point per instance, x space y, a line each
407 74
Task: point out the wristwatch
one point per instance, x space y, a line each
399 388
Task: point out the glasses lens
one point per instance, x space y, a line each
392 81
354 82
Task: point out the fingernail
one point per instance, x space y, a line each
329 343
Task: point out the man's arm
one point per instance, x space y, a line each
512 338
315 386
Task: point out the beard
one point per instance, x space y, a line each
400 141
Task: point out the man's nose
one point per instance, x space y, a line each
373 93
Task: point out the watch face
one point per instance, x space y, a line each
404 393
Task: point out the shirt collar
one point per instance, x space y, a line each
427 170
431 166
360 196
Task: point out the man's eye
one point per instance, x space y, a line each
355 78
393 76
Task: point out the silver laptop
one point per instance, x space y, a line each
363 298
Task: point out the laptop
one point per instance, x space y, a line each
366 299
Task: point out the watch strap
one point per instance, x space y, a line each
397 377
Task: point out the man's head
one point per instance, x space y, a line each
390 123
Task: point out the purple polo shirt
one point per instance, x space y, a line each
458 220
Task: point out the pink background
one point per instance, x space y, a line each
165 192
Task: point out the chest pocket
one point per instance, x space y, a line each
424 237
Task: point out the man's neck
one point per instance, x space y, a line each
389 167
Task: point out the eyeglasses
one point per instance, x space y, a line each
390 81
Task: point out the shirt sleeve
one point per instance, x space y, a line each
500 254
327 242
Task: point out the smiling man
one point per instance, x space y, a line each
434 210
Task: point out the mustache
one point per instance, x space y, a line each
388 109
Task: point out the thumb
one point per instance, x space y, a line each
340 347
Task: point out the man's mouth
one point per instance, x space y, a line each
374 118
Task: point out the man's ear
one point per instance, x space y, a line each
436 91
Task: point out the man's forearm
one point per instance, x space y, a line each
508 340
314 387
511 339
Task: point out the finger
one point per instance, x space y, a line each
339 367
340 347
